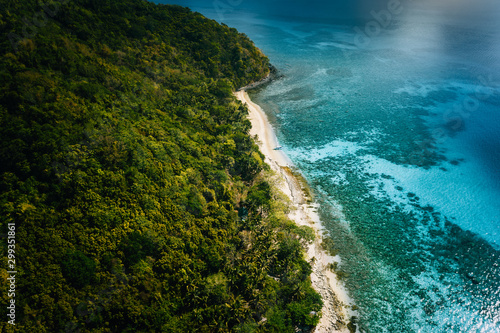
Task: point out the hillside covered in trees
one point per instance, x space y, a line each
139 200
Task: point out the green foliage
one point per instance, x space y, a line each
78 269
259 197
125 159
137 246
304 312
351 326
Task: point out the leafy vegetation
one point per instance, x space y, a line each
140 201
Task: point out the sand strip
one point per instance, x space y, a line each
337 309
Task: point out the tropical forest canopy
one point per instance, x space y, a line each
140 202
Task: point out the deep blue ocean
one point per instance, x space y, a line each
391 110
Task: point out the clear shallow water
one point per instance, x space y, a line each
399 128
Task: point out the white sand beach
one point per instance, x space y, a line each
337 309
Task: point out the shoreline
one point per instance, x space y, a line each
338 306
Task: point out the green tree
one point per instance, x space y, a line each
78 269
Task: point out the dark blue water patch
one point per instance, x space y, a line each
434 98
324 11
442 96
487 148
492 98
338 73
297 94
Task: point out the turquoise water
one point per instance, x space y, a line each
393 115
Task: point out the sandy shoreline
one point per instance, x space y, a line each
337 309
